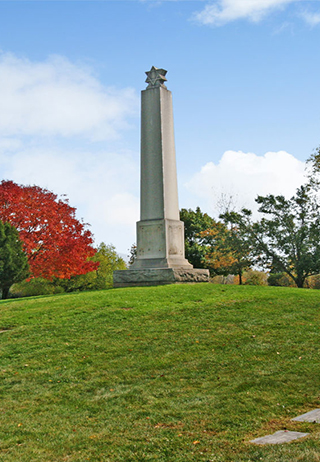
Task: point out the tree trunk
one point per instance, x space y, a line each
5 292
300 282
240 278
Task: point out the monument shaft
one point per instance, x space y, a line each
159 190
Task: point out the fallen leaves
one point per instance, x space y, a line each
169 425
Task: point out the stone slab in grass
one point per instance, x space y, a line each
312 416
282 436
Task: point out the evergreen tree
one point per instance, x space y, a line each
13 260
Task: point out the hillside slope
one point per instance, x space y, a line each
174 374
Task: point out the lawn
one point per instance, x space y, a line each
171 373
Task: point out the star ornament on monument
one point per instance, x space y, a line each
156 77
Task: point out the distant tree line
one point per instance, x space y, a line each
45 249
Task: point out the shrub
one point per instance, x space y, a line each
33 287
255 278
222 279
313 282
281 280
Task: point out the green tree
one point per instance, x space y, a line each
194 223
102 277
314 170
228 246
109 262
13 260
287 238
133 254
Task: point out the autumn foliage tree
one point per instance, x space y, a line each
228 249
56 243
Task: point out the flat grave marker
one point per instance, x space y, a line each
279 437
311 416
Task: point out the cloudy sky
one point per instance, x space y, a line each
245 81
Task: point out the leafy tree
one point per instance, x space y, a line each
217 255
133 254
194 223
56 243
287 238
289 241
109 261
228 247
314 169
102 278
239 243
13 260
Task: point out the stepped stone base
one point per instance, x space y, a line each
158 276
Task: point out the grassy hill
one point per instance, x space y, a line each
174 374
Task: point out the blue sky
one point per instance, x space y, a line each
245 81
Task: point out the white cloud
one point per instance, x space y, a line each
104 187
48 109
311 18
245 175
58 97
223 11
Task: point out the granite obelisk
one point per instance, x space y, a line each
160 233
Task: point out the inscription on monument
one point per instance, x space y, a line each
151 240
175 237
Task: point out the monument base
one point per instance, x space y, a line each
158 276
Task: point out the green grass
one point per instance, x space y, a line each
174 374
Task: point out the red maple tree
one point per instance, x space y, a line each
56 243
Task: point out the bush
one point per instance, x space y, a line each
222 279
313 282
255 278
101 278
33 287
280 280
251 277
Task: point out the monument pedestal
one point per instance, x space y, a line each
158 276
160 233
160 244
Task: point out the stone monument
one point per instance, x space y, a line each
160 233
